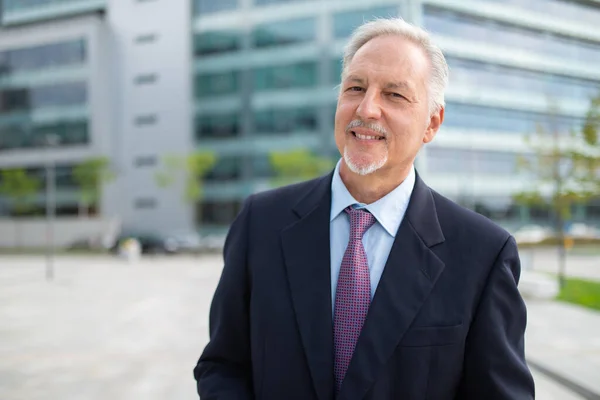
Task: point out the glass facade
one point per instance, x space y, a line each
471 162
344 23
490 32
207 43
218 126
226 169
211 6
217 84
285 120
284 96
299 75
501 120
266 2
218 213
27 99
17 5
42 57
18 102
481 74
563 9
27 135
64 181
284 33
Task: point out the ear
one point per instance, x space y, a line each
435 121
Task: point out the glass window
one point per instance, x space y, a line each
65 94
217 126
14 100
28 136
285 120
41 57
486 31
218 212
211 6
217 42
261 167
481 74
286 76
564 9
218 83
505 120
69 133
63 175
284 32
446 160
15 137
226 169
265 2
344 23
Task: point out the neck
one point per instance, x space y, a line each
369 188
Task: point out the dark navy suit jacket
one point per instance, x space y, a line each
446 321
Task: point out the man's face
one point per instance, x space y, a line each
382 115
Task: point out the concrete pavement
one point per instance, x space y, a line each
564 339
105 329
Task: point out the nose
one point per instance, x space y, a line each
369 107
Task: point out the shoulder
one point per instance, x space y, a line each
460 223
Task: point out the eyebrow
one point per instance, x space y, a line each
392 85
356 79
399 85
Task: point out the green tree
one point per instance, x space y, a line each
298 165
21 188
194 167
90 175
566 170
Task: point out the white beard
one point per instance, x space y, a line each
365 169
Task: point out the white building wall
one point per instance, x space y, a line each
168 99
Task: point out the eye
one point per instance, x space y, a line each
355 89
396 95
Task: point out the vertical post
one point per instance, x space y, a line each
50 207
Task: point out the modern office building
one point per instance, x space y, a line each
138 80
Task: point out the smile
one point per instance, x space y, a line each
366 137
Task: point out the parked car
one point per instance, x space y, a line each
582 231
150 243
533 234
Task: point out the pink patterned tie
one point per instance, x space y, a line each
353 293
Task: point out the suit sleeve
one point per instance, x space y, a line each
494 364
224 369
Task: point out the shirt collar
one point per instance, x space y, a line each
388 211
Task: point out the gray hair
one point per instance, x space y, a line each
399 27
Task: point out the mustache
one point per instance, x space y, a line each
357 123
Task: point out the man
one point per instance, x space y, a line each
366 283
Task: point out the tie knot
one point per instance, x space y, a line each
360 221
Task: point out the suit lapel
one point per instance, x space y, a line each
408 277
307 259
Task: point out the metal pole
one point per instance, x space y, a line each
50 210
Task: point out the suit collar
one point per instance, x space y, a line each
389 210
422 214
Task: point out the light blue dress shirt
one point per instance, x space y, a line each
388 211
